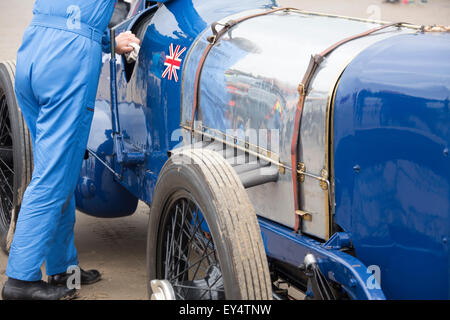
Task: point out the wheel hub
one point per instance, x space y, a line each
209 288
162 290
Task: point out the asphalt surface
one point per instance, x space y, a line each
117 246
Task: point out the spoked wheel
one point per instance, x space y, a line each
6 164
204 242
187 252
15 155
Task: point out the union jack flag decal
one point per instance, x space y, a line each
173 62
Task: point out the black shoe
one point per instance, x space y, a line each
87 277
36 290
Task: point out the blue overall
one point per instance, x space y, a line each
58 68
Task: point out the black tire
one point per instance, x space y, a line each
16 157
210 183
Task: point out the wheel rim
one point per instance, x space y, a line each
187 254
6 163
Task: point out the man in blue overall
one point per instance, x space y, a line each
58 68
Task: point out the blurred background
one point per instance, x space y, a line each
15 15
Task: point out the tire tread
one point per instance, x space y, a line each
23 161
240 223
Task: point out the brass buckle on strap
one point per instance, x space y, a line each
301 89
307 216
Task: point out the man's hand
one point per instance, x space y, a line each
123 41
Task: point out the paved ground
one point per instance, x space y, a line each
117 246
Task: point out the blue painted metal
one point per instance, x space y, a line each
122 155
115 125
339 240
285 245
97 193
150 116
392 171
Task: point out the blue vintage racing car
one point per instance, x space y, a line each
273 146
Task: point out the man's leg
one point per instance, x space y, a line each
15 287
58 158
61 71
62 129
62 252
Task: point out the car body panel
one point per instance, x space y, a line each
391 163
248 91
